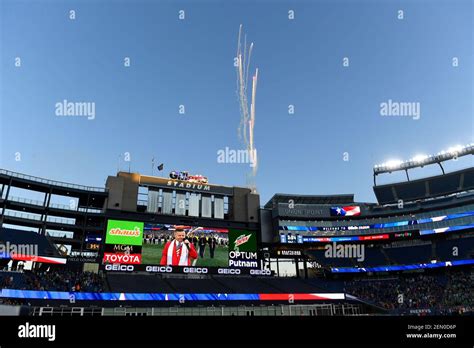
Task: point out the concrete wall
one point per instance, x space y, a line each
123 191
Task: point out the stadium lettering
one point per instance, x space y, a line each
228 271
159 269
116 267
301 212
260 272
201 270
188 186
290 252
242 263
123 248
121 258
242 254
186 177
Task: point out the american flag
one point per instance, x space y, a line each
345 211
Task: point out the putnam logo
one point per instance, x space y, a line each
242 239
37 331
125 233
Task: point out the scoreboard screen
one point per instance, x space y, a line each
151 244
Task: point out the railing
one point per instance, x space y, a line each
62 206
38 218
60 220
282 310
54 205
90 210
25 200
60 234
22 215
52 182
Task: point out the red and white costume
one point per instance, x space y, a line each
174 256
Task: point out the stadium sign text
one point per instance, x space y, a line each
243 259
134 259
184 176
198 270
159 269
301 212
117 267
289 253
186 270
122 232
193 186
228 271
260 272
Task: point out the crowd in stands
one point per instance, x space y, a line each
446 293
459 293
63 280
195 238
442 294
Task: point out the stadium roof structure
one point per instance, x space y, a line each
423 160
309 199
422 189
93 197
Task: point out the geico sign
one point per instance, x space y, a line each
128 268
228 271
260 272
159 269
201 270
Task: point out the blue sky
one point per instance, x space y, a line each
190 62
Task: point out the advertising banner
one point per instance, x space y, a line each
124 232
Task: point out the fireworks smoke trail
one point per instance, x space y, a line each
247 117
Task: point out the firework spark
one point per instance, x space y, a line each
247 115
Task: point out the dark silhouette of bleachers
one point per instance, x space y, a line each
202 286
138 283
409 254
453 249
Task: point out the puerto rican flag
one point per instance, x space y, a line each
345 211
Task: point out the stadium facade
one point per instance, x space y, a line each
122 231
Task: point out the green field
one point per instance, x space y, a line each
151 255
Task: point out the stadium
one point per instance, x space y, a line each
260 172
411 253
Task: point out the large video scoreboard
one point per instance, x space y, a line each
155 248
